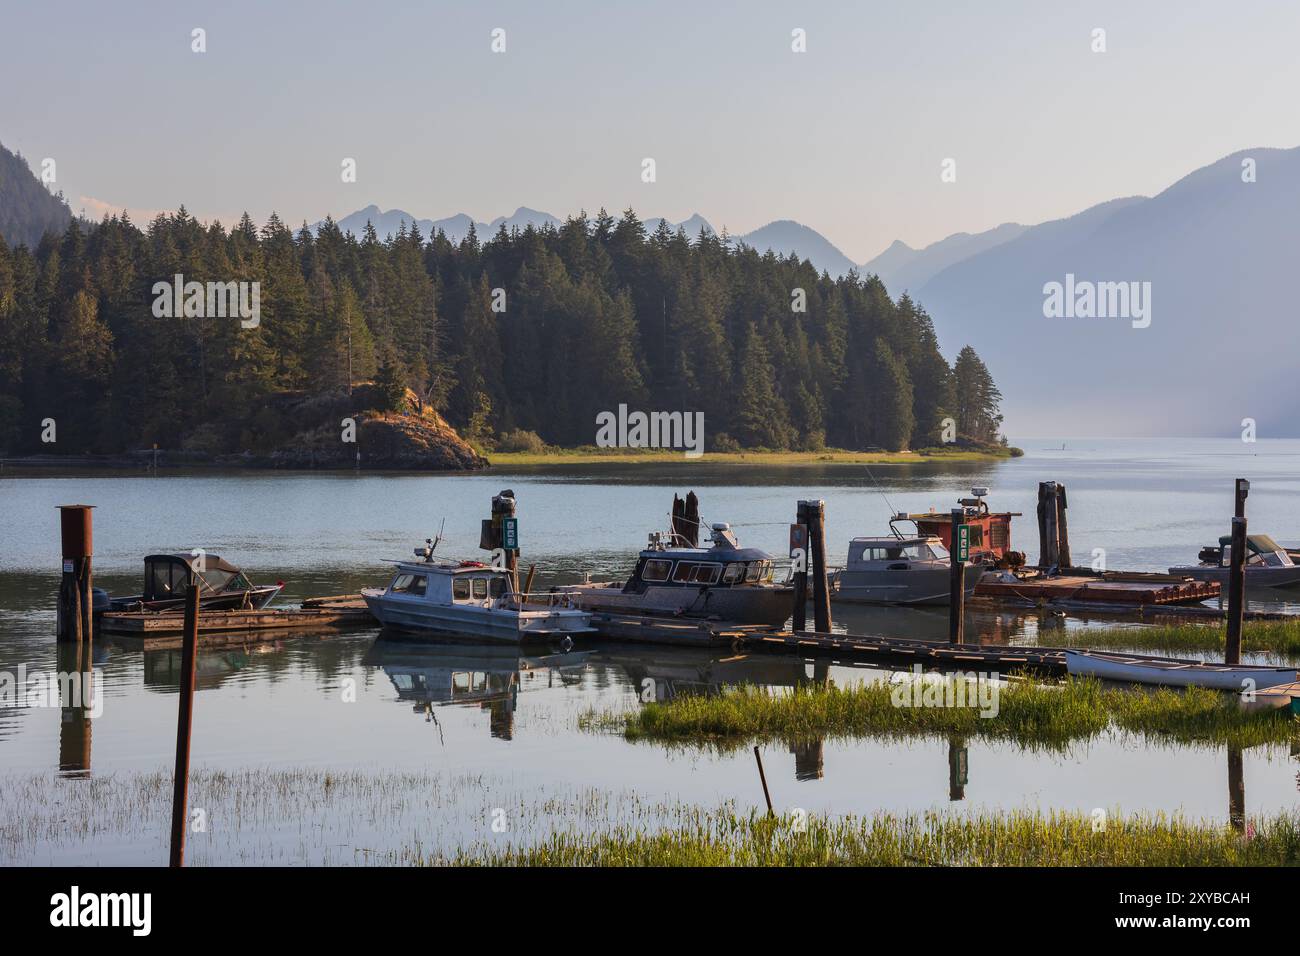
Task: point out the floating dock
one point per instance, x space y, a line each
1090 590
157 623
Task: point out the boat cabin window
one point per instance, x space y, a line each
682 574
480 588
497 587
753 572
706 573
656 570
413 584
734 573
460 589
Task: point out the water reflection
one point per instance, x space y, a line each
429 675
75 711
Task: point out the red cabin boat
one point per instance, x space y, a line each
990 531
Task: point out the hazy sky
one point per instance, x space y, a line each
848 137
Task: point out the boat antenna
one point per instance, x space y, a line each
881 491
433 544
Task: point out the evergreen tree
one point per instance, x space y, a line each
978 399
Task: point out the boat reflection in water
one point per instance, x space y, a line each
430 675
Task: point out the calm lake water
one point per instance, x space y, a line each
504 727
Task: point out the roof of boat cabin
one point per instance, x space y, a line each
211 562
1259 543
461 568
717 555
891 539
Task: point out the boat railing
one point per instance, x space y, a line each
535 600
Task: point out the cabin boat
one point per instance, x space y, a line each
990 531
722 582
1175 673
900 569
1268 564
470 599
222 586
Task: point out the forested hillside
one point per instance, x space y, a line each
27 209
589 315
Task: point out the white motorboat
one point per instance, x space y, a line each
469 598
897 569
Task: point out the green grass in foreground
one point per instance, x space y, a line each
719 838
833 456
1031 714
1261 637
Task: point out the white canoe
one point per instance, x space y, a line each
1175 673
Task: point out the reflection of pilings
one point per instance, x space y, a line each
809 759
1236 790
821 675
501 713
958 768
74 723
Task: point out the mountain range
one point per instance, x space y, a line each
1212 253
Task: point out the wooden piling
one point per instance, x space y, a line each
956 583
184 721
686 521
74 618
814 518
1236 592
799 578
1062 529
1049 534
763 777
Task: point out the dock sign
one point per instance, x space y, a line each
510 534
963 542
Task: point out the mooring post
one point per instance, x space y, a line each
1241 489
799 552
1049 532
184 715
74 618
492 537
815 518
1236 592
1062 529
956 583
763 777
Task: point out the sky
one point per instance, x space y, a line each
849 137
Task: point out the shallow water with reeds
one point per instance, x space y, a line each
352 748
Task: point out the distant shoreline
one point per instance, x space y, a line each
837 456
142 464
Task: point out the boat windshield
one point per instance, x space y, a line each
909 551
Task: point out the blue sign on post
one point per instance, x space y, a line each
510 534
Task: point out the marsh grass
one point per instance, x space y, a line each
1031 714
1278 637
721 838
271 816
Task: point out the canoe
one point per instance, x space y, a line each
1175 673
